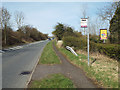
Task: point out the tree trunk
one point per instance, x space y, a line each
5 35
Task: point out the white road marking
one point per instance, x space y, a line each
19 47
1 51
15 48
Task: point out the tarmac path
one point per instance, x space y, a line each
66 68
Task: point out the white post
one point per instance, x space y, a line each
88 42
104 41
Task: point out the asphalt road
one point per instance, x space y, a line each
17 60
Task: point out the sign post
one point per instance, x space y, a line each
103 34
88 45
84 24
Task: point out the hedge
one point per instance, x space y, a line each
111 50
77 43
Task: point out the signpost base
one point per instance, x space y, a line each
104 41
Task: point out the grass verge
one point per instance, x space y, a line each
49 56
53 81
101 72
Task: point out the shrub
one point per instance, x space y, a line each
71 41
93 47
94 38
111 50
76 42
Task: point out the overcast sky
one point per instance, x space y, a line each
45 15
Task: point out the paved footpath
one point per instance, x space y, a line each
74 73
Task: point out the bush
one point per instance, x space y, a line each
93 47
94 38
28 34
76 42
71 41
111 50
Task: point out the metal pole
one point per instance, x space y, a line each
84 30
88 42
104 41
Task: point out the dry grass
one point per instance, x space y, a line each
105 65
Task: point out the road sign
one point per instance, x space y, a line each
84 22
103 34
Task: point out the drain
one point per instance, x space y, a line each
25 73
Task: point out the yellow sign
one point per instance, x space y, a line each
103 34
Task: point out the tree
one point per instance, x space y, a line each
84 13
19 18
1 19
92 28
59 30
27 31
69 32
0 29
115 26
32 33
5 21
108 12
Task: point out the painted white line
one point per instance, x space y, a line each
19 47
1 51
32 72
34 67
15 48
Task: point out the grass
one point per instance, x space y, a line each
53 81
49 56
104 73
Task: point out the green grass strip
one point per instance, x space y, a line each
99 76
49 56
53 81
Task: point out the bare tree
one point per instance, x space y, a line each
19 18
108 11
84 13
92 27
0 18
0 29
4 21
99 24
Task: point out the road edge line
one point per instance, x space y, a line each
32 73
34 68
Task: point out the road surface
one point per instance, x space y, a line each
19 59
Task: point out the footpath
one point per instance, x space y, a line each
66 68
